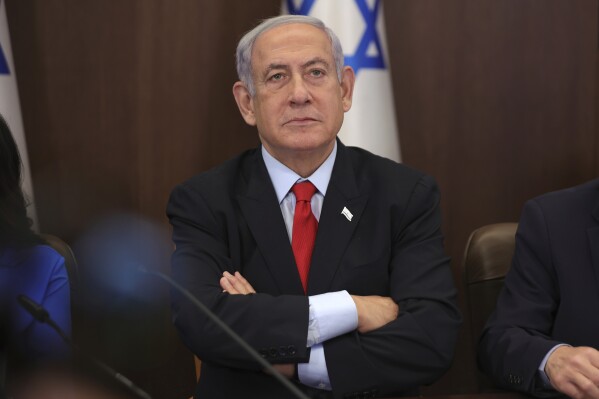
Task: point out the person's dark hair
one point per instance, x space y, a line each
15 226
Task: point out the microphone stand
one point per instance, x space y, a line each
40 314
232 334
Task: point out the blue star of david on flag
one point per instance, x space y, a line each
361 58
3 63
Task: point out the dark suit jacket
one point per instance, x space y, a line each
229 219
551 293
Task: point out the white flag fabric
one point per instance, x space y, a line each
10 107
360 26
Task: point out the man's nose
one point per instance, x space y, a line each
299 92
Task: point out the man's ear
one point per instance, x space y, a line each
348 79
244 103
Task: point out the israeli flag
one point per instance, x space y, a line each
360 26
10 107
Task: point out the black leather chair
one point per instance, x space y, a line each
488 258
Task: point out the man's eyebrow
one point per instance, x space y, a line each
275 66
307 64
315 61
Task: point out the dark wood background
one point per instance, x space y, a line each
123 99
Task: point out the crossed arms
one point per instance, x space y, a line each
406 329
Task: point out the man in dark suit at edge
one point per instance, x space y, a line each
367 308
543 337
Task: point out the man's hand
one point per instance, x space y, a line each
236 284
374 311
574 371
286 370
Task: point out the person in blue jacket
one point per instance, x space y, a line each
27 266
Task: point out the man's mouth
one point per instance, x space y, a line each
300 121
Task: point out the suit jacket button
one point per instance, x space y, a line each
282 351
291 350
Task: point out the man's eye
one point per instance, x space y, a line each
276 76
316 73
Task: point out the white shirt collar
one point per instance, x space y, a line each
284 178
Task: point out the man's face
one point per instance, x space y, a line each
299 102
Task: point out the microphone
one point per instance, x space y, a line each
40 314
232 334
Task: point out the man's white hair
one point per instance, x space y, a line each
245 45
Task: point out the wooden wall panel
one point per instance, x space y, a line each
124 99
497 100
121 101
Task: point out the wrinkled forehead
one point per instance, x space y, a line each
289 39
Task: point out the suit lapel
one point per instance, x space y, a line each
258 203
334 229
593 234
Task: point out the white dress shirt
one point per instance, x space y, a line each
331 314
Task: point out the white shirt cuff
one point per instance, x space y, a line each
331 314
315 374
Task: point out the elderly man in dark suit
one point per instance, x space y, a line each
544 334
327 259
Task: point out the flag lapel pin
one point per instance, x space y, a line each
345 212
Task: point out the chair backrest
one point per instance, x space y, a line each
487 259
69 259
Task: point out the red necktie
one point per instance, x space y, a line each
304 229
